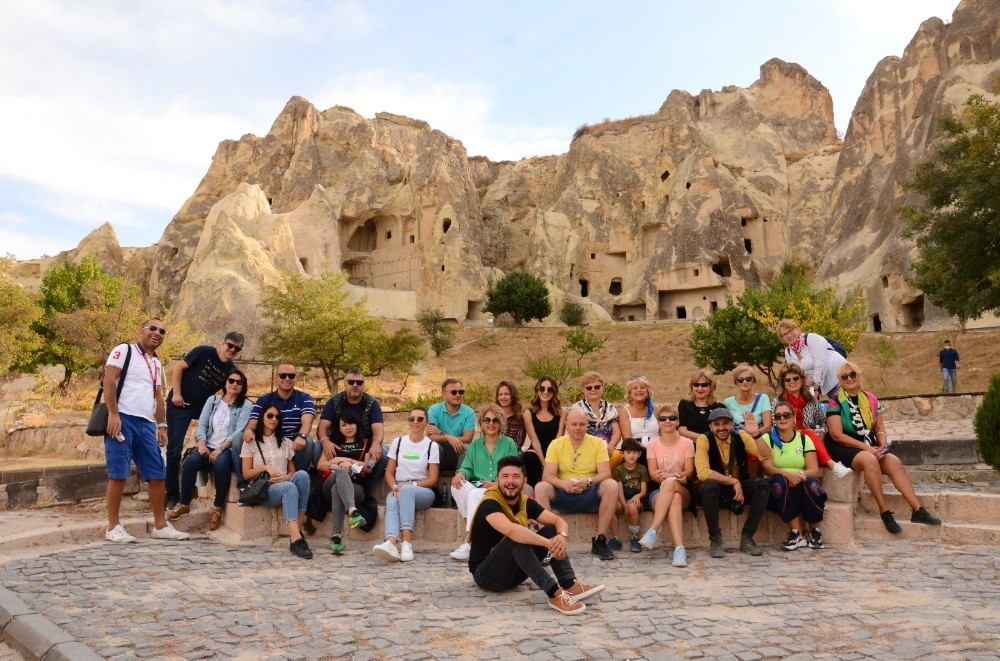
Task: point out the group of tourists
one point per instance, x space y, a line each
510 466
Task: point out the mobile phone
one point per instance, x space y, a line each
478 483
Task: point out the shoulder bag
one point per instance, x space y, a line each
255 491
98 423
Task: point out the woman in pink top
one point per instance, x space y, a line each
670 459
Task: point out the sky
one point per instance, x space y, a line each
111 111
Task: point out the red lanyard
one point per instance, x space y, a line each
153 374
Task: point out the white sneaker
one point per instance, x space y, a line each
840 470
406 552
119 535
386 551
169 532
462 552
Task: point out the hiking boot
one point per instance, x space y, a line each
300 548
584 591
599 547
890 523
634 544
615 544
178 512
119 535
215 518
715 549
795 540
355 519
386 551
336 545
648 541
680 557
566 603
815 539
923 516
747 545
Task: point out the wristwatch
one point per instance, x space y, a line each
590 482
300 435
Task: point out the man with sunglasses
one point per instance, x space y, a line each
371 428
298 410
452 424
197 376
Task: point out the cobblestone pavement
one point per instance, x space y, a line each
897 600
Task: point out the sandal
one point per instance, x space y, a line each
215 520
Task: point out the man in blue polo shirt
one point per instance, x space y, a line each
452 424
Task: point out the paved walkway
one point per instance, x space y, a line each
196 600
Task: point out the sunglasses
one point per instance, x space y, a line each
701 385
235 382
456 392
745 379
286 375
668 418
157 329
354 382
594 387
848 376
782 416
546 389
491 421
416 418
272 416
792 379
235 348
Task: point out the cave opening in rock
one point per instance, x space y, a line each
876 323
682 312
445 225
584 288
722 269
615 289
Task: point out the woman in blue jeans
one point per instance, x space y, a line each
221 423
289 488
411 475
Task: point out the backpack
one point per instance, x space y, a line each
834 344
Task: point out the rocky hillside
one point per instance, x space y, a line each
652 217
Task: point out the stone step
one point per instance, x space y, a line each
869 527
953 506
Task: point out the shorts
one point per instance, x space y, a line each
629 493
139 446
575 503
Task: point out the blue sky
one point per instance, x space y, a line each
111 111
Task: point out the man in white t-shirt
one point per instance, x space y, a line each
136 429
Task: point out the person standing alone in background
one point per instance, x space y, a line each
948 359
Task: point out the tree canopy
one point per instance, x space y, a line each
957 229
311 322
521 295
439 332
18 313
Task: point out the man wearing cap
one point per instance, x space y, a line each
721 466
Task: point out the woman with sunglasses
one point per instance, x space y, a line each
793 472
507 398
478 471
813 353
543 423
856 438
670 459
810 416
602 416
220 425
270 453
693 413
411 475
639 411
747 404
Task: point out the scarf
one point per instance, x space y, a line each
798 403
797 345
599 421
493 493
858 419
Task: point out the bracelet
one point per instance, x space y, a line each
161 425
563 534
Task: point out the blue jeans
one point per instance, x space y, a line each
292 495
402 510
179 418
949 375
222 470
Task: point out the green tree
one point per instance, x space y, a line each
957 229
582 342
987 424
572 313
884 354
437 329
312 323
18 313
556 366
744 331
522 295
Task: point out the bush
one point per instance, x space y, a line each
546 364
439 332
522 295
572 313
987 424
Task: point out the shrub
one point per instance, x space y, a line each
572 313
987 424
439 332
522 295
552 365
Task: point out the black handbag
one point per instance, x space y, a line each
98 423
255 491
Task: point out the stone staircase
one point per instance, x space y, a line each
970 515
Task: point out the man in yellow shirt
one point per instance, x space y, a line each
577 478
722 469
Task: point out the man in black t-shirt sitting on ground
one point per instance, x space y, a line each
505 551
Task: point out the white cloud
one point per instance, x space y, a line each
892 21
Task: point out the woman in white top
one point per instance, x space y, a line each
289 488
221 423
411 475
638 416
813 354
